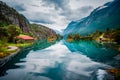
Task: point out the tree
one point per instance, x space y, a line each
70 36
3 32
13 32
96 34
77 36
116 35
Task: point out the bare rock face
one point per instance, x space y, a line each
9 15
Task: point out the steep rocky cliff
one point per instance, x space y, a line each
9 15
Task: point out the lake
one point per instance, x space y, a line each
83 60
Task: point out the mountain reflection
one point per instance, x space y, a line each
92 49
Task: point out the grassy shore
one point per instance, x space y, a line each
6 51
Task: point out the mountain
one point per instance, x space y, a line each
41 32
9 15
101 18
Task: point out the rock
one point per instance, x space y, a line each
11 48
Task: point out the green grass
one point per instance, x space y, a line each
20 44
4 48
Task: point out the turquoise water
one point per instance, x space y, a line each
85 60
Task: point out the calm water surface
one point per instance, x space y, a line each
85 60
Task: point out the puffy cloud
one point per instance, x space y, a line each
55 14
41 17
63 4
20 8
78 13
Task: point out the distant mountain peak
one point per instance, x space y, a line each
105 16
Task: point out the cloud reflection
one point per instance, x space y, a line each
54 62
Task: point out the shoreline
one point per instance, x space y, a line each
4 60
7 58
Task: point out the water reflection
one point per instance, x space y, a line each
56 62
92 49
38 45
41 44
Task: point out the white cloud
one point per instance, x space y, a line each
55 14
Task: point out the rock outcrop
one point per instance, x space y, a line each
9 15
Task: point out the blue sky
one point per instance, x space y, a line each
55 14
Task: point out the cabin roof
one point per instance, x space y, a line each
25 37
